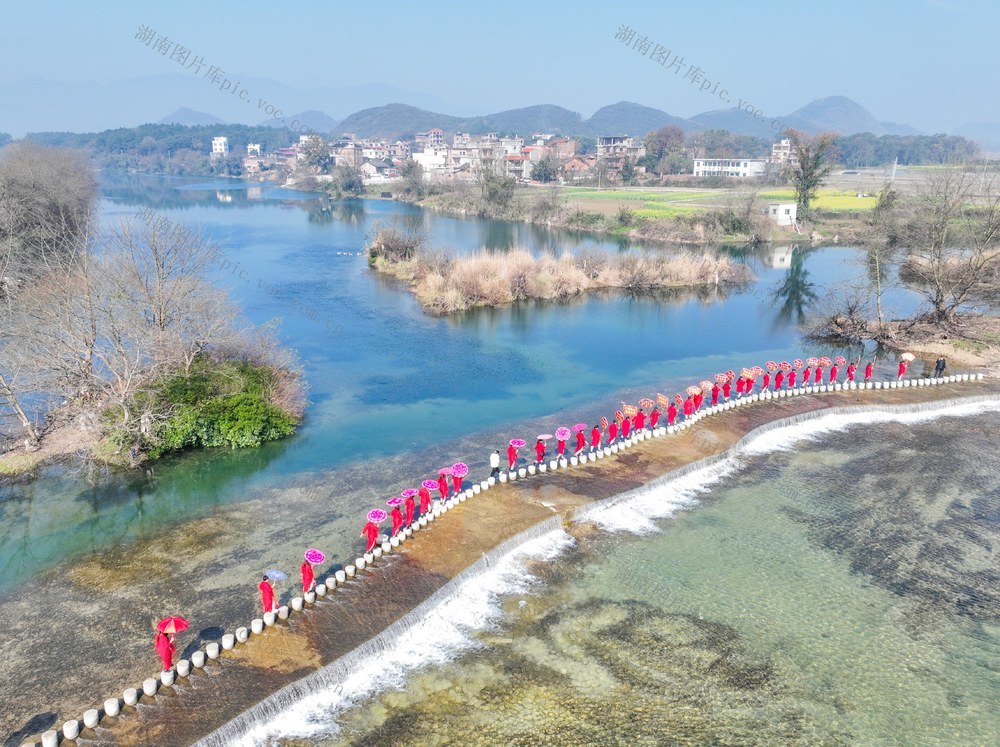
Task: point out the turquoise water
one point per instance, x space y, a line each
387 380
844 593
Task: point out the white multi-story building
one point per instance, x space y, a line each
738 167
782 153
253 149
220 147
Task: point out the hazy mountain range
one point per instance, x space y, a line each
44 105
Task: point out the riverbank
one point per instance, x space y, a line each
348 617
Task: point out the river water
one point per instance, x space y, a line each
837 584
394 393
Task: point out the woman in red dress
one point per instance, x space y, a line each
612 432
671 414
715 394
595 438
308 576
869 370
727 389
688 407
397 520
791 378
425 500
902 371
267 595
443 486
779 379
560 449
640 420
654 418
851 368
165 648
511 457
581 442
626 427
371 532
410 506
539 452
741 384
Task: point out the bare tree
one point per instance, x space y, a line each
953 243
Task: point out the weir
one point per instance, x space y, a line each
336 672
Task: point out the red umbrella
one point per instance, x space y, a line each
785 366
731 374
604 423
722 378
841 360
172 624
771 366
619 415
646 402
798 363
678 399
693 390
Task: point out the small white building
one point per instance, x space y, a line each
737 167
783 213
220 147
253 149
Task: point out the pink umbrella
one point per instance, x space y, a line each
758 371
409 492
706 385
445 471
812 361
517 443
314 556
394 501
377 515
460 469
693 390
563 433
841 360
579 427
722 378
430 484
771 366
544 436
824 361
798 363
785 366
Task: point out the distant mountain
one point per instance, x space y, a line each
987 134
189 117
539 118
633 119
394 120
734 120
834 113
315 121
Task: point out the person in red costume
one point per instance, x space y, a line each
698 399
791 378
443 486
581 443
851 369
727 389
560 449
626 427
766 383
397 520
456 483
818 375
595 438
425 500
308 576
640 420
267 595
539 451
779 379
715 394
834 373
902 371
511 458
805 376
612 432
410 506
654 418
748 387
688 407
869 370
671 414
371 532
165 648
740 386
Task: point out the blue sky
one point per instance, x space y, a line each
929 63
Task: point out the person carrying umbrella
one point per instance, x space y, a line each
779 379
612 432
581 441
639 421
699 397
851 370
834 372
425 499
741 384
397 520
511 457
308 576
902 369
267 599
595 438
165 647
791 378
560 448
371 532
766 383
727 389
688 407
869 369
443 486
671 413
654 418
539 452
806 373
715 393
410 504
626 427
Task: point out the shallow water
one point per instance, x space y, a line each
844 592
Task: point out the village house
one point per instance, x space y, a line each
734 167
